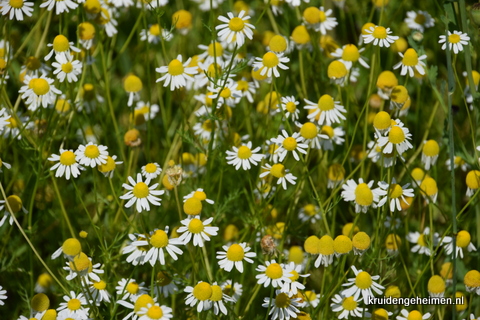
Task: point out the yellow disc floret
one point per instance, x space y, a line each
192 206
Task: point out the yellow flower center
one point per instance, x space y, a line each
274 271
92 6
142 302
380 32
218 52
395 191
44 280
410 58
226 93
472 279
429 186
40 302
163 279
312 15
421 240
300 35
349 304
382 120
290 144
363 195
100 285
392 242
350 53
244 152
62 105
182 19
67 158
60 43
321 16
295 254
207 125
420 18
175 67
325 245
196 226
473 179
454 38
311 245
308 130
67 67
200 195
242 85
155 312
361 241
140 190
133 83
463 239
366 27
17 4
159 239
71 247
328 131
414 315
342 244
310 210
192 206
278 43
326 103
86 31
74 304
202 291
236 24
151 168
270 60
431 148
15 203
154 29
109 166
33 63
399 94
291 107
363 280
278 170
436 284
387 80
216 293
132 287
396 135
235 252
336 70
282 300
213 72
39 86
336 172
80 262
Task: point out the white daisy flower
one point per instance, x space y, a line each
15 204
16 9
278 171
66 67
60 5
348 55
99 292
362 194
293 286
395 193
414 314
67 164
330 136
159 240
235 29
422 241
74 306
217 300
62 46
234 256
140 193
290 143
154 34
311 298
243 157
155 312
309 213
455 40
411 61
90 270
235 292
212 53
463 241
289 107
362 284
320 19
226 94
198 194
106 21
419 20
130 289
176 73
199 294
108 169
398 136
70 249
326 111
348 307
196 229
247 89
269 64
164 285
379 36
91 155
38 92
207 5
274 273
136 253
312 135
283 306
151 170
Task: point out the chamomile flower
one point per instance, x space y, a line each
294 285
362 284
132 85
395 193
362 194
15 204
348 306
60 46
155 312
283 306
67 67
411 62
234 291
327 110
430 152
151 170
419 20
217 300
164 285
323 247
311 298
319 19
140 193
38 91
60 5
235 29
105 20
244 156
212 53
154 34
349 54
176 73
273 273
199 294
379 36
136 253
414 314
309 213
91 155
140 301
16 9
335 175
455 40
130 289
199 195
429 189
269 64
99 292
288 143
397 139
289 107
197 229
463 241
158 241
422 241
234 256
108 168
82 266
247 89
331 136
227 94
278 171
74 306
86 34
472 181
70 249
67 164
